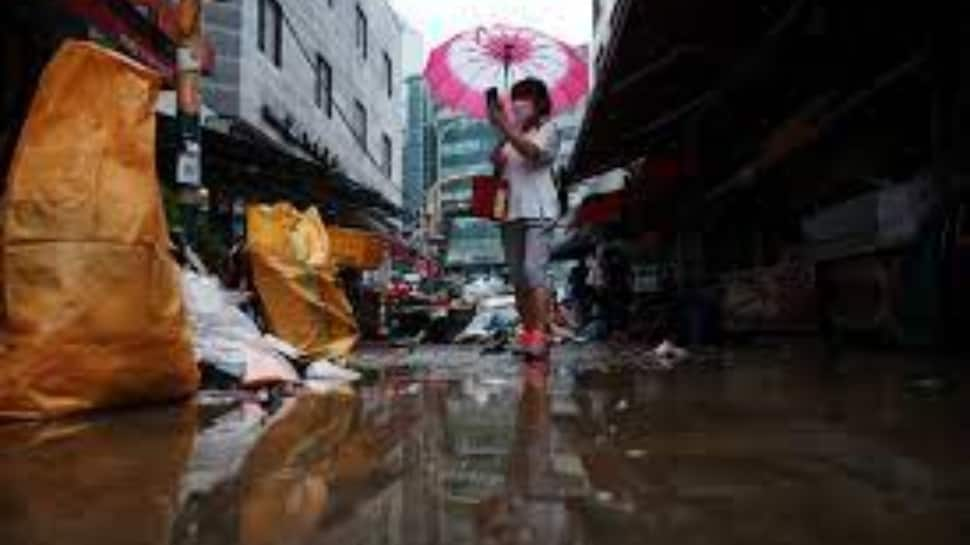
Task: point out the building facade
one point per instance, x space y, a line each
320 77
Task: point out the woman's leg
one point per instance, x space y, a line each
535 263
513 241
538 302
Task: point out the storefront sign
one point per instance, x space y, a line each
295 131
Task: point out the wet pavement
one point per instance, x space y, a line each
450 446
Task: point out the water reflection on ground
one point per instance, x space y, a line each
468 449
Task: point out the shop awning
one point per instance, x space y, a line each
602 208
665 59
251 166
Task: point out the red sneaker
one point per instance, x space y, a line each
532 344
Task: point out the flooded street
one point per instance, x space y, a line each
452 447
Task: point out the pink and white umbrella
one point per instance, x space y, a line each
463 68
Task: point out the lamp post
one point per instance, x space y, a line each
188 167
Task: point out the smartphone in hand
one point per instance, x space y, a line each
491 98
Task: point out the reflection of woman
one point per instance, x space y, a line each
525 158
518 517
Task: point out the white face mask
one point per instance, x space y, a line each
522 111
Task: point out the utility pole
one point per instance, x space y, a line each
188 168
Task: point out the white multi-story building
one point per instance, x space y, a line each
314 75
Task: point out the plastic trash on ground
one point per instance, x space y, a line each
325 377
482 288
324 370
228 340
669 354
495 315
91 314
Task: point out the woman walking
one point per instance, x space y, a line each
529 143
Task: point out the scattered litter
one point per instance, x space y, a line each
668 354
482 288
324 377
324 386
324 370
226 339
636 454
569 465
413 389
495 317
604 496
283 347
622 405
264 367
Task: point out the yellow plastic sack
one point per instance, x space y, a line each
296 280
92 308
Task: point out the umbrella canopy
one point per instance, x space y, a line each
463 68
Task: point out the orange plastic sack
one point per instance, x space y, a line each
92 308
296 280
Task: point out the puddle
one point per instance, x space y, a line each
466 450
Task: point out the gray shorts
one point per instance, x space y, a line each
527 250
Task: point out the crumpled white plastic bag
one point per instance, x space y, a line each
226 338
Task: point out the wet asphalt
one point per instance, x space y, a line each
445 445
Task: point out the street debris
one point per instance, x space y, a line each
496 318
327 371
228 340
669 354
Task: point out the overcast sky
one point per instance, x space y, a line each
438 20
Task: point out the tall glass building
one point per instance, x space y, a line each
419 157
465 147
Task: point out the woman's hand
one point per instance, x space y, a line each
509 132
498 119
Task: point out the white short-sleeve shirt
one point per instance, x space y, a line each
532 191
